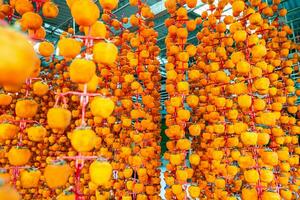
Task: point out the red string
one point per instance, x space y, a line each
78 167
15 170
39 4
84 101
259 187
16 173
79 164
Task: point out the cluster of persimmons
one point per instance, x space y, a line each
86 124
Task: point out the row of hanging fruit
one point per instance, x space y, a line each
87 126
232 119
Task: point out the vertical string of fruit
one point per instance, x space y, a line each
76 68
125 173
280 138
128 61
242 78
26 113
273 105
141 136
224 106
137 187
124 150
26 110
110 76
29 177
254 77
178 115
150 104
249 139
82 71
218 105
192 100
113 133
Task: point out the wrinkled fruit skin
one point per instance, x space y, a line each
102 107
26 108
19 156
83 140
36 133
82 71
57 175
30 179
100 172
105 53
59 118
